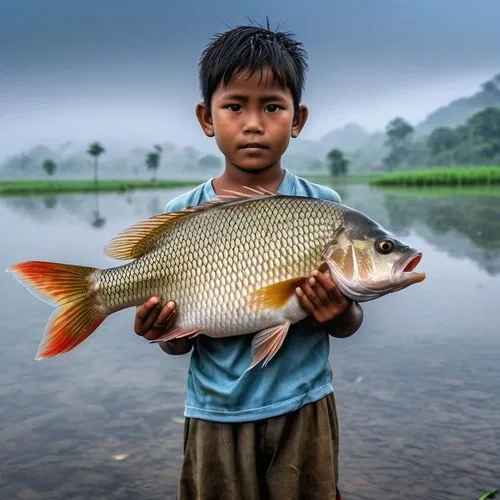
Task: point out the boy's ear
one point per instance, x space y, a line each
205 119
299 120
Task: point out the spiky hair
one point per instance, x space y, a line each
253 48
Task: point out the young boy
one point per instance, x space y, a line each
271 432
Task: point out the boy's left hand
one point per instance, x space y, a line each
321 298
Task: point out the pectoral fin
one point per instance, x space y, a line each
177 333
276 295
267 343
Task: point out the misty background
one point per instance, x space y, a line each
124 73
110 86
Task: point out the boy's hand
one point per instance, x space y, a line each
152 321
321 298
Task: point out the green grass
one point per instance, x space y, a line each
341 179
83 186
451 176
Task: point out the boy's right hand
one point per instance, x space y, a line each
152 321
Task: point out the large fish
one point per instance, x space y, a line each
232 265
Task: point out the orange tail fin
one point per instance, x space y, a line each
66 286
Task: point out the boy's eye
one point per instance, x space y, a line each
272 108
234 107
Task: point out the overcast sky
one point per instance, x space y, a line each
126 70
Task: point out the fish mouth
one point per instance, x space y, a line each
403 274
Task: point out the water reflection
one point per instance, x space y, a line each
418 387
86 207
97 220
155 205
446 221
50 201
48 208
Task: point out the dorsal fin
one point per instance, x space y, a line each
139 238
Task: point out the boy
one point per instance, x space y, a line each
272 432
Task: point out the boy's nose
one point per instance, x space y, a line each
253 124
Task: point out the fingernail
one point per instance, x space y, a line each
299 292
312 281
171 304
315 273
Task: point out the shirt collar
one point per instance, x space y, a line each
286 186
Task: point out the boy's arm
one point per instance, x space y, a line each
177 347
346 324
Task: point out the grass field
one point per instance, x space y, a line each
343 179
422 178
82 186
451 176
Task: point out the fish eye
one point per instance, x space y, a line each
384 246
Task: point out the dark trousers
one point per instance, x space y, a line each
290 457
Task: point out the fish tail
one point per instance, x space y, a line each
69 288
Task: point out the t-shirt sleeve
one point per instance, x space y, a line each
176 204
313 190
329 194
170 206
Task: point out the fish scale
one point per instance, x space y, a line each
234 258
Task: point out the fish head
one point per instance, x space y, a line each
367 261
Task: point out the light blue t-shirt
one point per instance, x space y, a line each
218 389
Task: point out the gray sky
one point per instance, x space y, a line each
125 71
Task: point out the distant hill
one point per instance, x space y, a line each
456 112
349 138
364 150
372 150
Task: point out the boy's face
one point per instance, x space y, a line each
252 119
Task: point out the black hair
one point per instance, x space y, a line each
251 48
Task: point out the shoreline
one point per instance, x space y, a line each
440 177
430 178
29 186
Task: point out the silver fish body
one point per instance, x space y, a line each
232 267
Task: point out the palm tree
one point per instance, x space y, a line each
337 162
153 162
49 166
95 150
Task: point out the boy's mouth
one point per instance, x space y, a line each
253 146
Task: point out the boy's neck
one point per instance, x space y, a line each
233 178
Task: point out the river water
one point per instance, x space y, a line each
417 387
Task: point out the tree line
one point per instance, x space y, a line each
475 142
152 160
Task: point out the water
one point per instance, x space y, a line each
417 387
